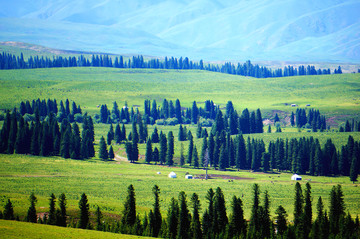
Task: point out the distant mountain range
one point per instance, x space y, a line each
286 30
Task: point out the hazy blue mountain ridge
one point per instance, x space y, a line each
202 29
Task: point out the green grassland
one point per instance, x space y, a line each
14 229
333 95
105 183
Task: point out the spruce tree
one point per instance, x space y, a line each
117 134
195 226
61 221
170 149
103 153
220 217
12 132
208 217
155 136
52 211
75 147
149 152
184 222
254 226
355 163
111 153
307 217
204 153
84 212
157 219
237 225
129 212
163 148
110 135
195 158
31 213
223 158
281 220
155 155
8 211
99 225
190 151
337 208
298 205
182 157
173 218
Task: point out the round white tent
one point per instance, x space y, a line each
296 177
172 175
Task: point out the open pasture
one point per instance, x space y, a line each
333 95
106 183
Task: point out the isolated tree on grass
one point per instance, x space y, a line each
8 211
84 212
31 213
103 153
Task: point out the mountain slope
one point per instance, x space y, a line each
213 30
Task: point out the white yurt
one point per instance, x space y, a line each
172 175
296 177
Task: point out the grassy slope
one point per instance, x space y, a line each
106 184
14 229
89 87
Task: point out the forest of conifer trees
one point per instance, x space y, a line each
9 61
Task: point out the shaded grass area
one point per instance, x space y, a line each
14 229
105 183
89 87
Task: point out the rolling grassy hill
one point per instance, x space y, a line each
334 95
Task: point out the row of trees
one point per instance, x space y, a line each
46 137
184 221
169 113
352 126
9 61
312 119
47 107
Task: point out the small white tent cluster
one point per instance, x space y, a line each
172 175
296 177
